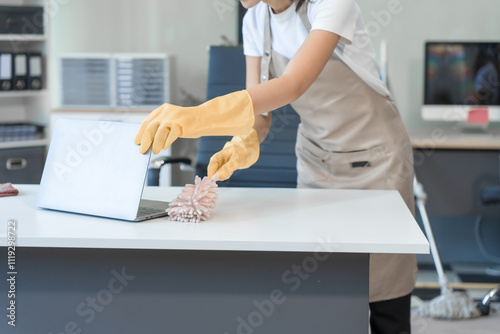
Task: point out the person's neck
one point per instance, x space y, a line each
281 5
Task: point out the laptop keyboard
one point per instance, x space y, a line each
147 211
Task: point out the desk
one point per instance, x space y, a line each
453 138
280 260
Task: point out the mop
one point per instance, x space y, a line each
196 201
449 305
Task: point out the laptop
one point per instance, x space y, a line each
94 168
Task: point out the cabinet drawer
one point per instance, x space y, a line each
22 165
454 179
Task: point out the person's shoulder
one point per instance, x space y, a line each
328 9
257 11
338 16
315 2
331 3
255 15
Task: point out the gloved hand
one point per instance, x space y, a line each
239 153
228 115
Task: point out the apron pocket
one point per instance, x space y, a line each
312 166
358 169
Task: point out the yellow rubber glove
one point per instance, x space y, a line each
228 115
239 153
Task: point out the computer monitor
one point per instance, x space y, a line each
462 79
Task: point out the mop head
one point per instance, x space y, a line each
449 305
196 201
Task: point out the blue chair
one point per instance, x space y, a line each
489 196
276 166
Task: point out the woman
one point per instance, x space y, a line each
317 56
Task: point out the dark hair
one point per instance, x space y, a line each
300 3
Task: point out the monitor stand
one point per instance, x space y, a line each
474 129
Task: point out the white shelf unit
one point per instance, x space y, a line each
114 81
24 143
22 93
22 38
27 106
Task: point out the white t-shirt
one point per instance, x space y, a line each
342 17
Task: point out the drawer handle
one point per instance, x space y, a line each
16 163
12 23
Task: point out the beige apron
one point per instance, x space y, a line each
351 137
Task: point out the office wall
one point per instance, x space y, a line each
182 28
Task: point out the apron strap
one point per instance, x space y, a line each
268 40
266 57
303 16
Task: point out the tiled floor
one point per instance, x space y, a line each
484 325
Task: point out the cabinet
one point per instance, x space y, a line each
25 106
454 167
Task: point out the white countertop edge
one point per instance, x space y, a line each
271 246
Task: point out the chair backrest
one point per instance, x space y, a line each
276 166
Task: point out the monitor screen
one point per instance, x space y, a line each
462 75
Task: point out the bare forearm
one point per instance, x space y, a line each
274 94
262 125
300 73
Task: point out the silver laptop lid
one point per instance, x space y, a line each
94 167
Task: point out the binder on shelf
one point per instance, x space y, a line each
6 71
34 61
21 131
20 71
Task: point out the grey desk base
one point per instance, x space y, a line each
60 290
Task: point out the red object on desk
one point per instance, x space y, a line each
7 189
478 116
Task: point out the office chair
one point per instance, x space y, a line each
489 196
276 166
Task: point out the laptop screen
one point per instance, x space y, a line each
94 167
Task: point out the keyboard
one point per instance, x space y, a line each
147 211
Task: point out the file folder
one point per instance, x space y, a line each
6 71
34 71
20 71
